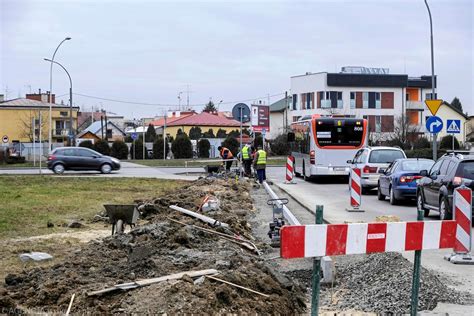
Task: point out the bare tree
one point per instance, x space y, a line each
403 131
27 124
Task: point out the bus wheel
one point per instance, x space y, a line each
305 178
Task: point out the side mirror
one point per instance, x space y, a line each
291 137
381 171
95 156
424 173
349 161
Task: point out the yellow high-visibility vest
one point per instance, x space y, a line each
245 153
262 157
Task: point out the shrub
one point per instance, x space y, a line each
102 146
150 133
209 134
221 133
447 142
87 144
258 141
423 153
136 150
182 147
195 132
119 150
421 142
158 148
280 146
232 144
203 148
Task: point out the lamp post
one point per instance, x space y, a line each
433 84
51 93
72 137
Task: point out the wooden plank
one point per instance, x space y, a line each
235 285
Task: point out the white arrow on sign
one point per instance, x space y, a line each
436 123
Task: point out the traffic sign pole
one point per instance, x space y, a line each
433 106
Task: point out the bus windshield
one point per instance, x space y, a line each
339 132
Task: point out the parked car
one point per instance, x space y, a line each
80 158
399 180
371 161
435 188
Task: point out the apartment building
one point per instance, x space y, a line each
360 92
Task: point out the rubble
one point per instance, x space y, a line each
162 247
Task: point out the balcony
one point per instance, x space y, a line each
60 132
415 105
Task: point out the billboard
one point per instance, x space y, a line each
260 118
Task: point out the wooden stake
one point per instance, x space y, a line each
70 304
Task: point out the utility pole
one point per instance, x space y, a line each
433 83
144 140
164 139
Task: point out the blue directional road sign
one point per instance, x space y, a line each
453 127
134 136
434 124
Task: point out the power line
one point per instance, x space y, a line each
167 105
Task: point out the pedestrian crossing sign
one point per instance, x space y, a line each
453 127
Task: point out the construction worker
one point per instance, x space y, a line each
260 163
225 154
246 159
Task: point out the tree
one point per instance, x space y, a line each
87 144
456 104
209 134
203 148
210 107
221 133
102 146
447 142
119 150
258 141
195 132
232 144
158 148
150 134
136 150
402 131
27 125
280 146
421 142
234 133
182 147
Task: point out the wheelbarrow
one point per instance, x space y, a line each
121 214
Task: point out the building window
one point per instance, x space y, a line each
378 124
295 101
308 101
339 100
365 100
428 96
378 104
353 100
63 113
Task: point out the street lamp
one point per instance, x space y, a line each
71 130
50 99
433 84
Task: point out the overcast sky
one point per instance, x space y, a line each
148 51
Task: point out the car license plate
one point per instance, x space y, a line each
339 169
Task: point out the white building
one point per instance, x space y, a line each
379 97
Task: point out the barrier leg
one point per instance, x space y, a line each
416 276
355 191
290 170
316 270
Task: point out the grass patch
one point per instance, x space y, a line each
272 161
22 165
27 203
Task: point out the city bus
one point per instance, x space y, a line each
322 145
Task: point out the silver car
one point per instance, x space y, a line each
373 161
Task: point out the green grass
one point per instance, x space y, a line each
27 203
21 165
273 161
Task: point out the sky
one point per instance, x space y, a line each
150 51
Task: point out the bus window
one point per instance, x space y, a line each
344 132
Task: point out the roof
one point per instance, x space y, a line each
28 103
161 121
280 105
205 119
97 126
456 110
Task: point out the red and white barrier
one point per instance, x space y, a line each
361 238
355 190
462 204
290 171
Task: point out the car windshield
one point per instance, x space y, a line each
416 165
385 155
466 170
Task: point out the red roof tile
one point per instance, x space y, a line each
172 119
205 119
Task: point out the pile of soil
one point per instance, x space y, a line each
159 248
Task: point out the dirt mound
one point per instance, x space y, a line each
159 248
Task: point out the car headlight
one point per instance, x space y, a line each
116 160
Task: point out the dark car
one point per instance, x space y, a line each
80 158
399 180
435 189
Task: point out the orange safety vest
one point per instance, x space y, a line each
229 155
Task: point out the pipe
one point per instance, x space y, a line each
292 220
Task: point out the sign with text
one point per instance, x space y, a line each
260 118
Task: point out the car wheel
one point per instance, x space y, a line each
106 168
419 204
393 199
380 196
58 168
443 209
